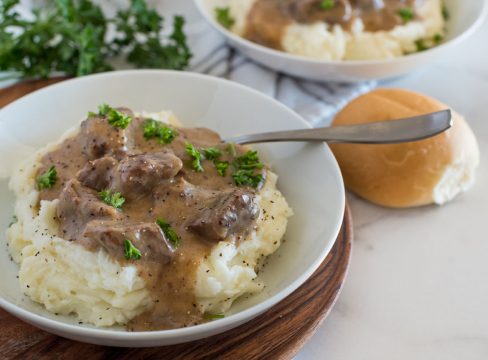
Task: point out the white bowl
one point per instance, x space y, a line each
309 178
465 18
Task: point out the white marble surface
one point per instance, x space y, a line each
418 282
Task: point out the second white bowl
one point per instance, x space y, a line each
465 17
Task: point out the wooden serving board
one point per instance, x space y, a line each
277 334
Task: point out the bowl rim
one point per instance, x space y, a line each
344 63
212 327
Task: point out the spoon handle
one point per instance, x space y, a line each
384 132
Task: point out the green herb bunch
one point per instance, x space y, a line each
70 36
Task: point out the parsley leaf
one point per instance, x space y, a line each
438 38
209 316
421 45
222 167
327 4
114 116
211 153
445 12
47 179
196 155
118 119
249 161
116 199
130 251
245 166
224 17
103 109
156 129
406 14
170 234
70 36
247 177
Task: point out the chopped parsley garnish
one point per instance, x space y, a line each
420 44
114 117
130 251
196 155
247 177
103 109
211 153
406 14
438 38
209 316
327 4
156 129
445 12
245 166
248 161
47 179
222 167
116 199
14 220
168 231
224 17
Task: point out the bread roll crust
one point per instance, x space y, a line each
401 175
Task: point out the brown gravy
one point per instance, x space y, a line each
268 19
157 181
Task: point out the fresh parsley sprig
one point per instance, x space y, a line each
47 179
168 231
70 36
113 199
156 129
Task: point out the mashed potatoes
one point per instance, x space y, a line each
69 279
319 40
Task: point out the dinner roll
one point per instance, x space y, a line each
411 174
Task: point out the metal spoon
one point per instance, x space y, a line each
384 132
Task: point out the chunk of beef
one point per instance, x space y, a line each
99 138
96 174
231 213
136 174
77 206
148 238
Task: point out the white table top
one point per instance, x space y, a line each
418 282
